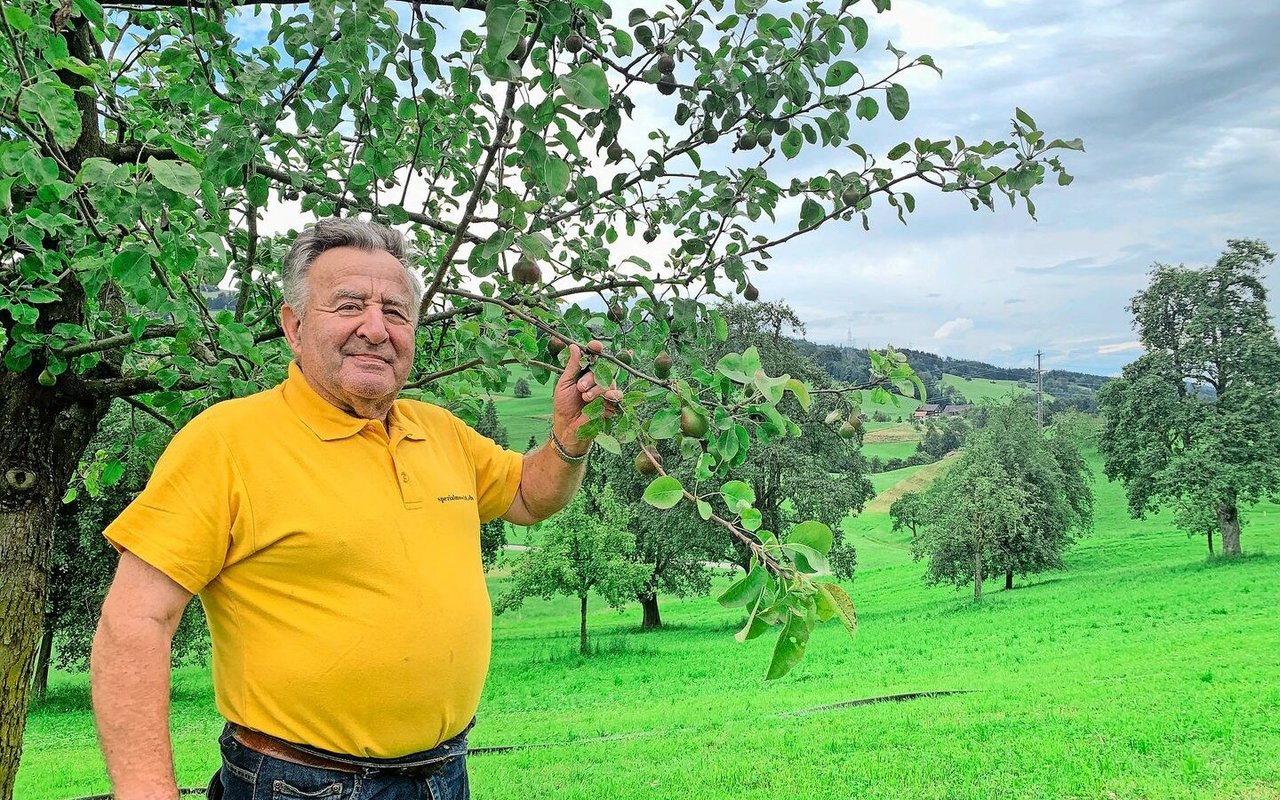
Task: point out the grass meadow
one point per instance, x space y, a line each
1143 672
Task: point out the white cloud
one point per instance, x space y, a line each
1123 347
954 326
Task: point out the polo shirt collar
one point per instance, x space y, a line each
327 421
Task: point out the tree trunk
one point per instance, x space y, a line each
41 441
977 574
582 630
40 682
1229 524
652 618
1008 579
1209 537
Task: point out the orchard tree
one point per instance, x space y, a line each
585 550
1046 472
148 151
672 546
969 510
1195 422
907 513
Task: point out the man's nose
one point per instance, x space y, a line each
373 327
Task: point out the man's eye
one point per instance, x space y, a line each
348 307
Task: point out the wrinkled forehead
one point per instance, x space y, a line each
370 276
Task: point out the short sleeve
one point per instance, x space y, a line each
192 511
497 472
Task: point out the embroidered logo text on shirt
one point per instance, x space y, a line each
449 498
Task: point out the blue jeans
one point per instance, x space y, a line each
249 775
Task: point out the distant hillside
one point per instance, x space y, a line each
1068 389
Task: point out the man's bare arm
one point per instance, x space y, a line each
129 676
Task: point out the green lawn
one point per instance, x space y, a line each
887 450
525 416
976 390
1144 672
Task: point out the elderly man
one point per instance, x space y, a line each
332 533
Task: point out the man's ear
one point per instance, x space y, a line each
289 323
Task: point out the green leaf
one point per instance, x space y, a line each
867 108
792 142
40 296
637 17
535 245
665 423
1067 144
738 495
19 19
790 647
177 176
555 176
746 590
609 443
53 102
131 268
861 32
95 171
812 534
896 98
811 213
752 519
91 11
704 509
807 560
504 22
1024 118
112 472
839 73
899 151
586 87
754 627
730 365
842 605
665 492
801 391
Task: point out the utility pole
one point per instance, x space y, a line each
1039 391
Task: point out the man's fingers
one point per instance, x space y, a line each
571 366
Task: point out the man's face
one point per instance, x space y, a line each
354 341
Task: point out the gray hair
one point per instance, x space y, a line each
328 234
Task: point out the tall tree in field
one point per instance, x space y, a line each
148 152
585 550
1195 422
672 546
1055 478
970 509
1047 477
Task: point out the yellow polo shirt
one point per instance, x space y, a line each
339 567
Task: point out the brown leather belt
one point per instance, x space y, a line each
278 748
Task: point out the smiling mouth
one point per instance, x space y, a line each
368 358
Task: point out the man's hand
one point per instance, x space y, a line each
572 394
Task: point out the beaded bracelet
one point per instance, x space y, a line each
565 455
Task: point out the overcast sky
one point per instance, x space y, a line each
1179 107
1178 102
